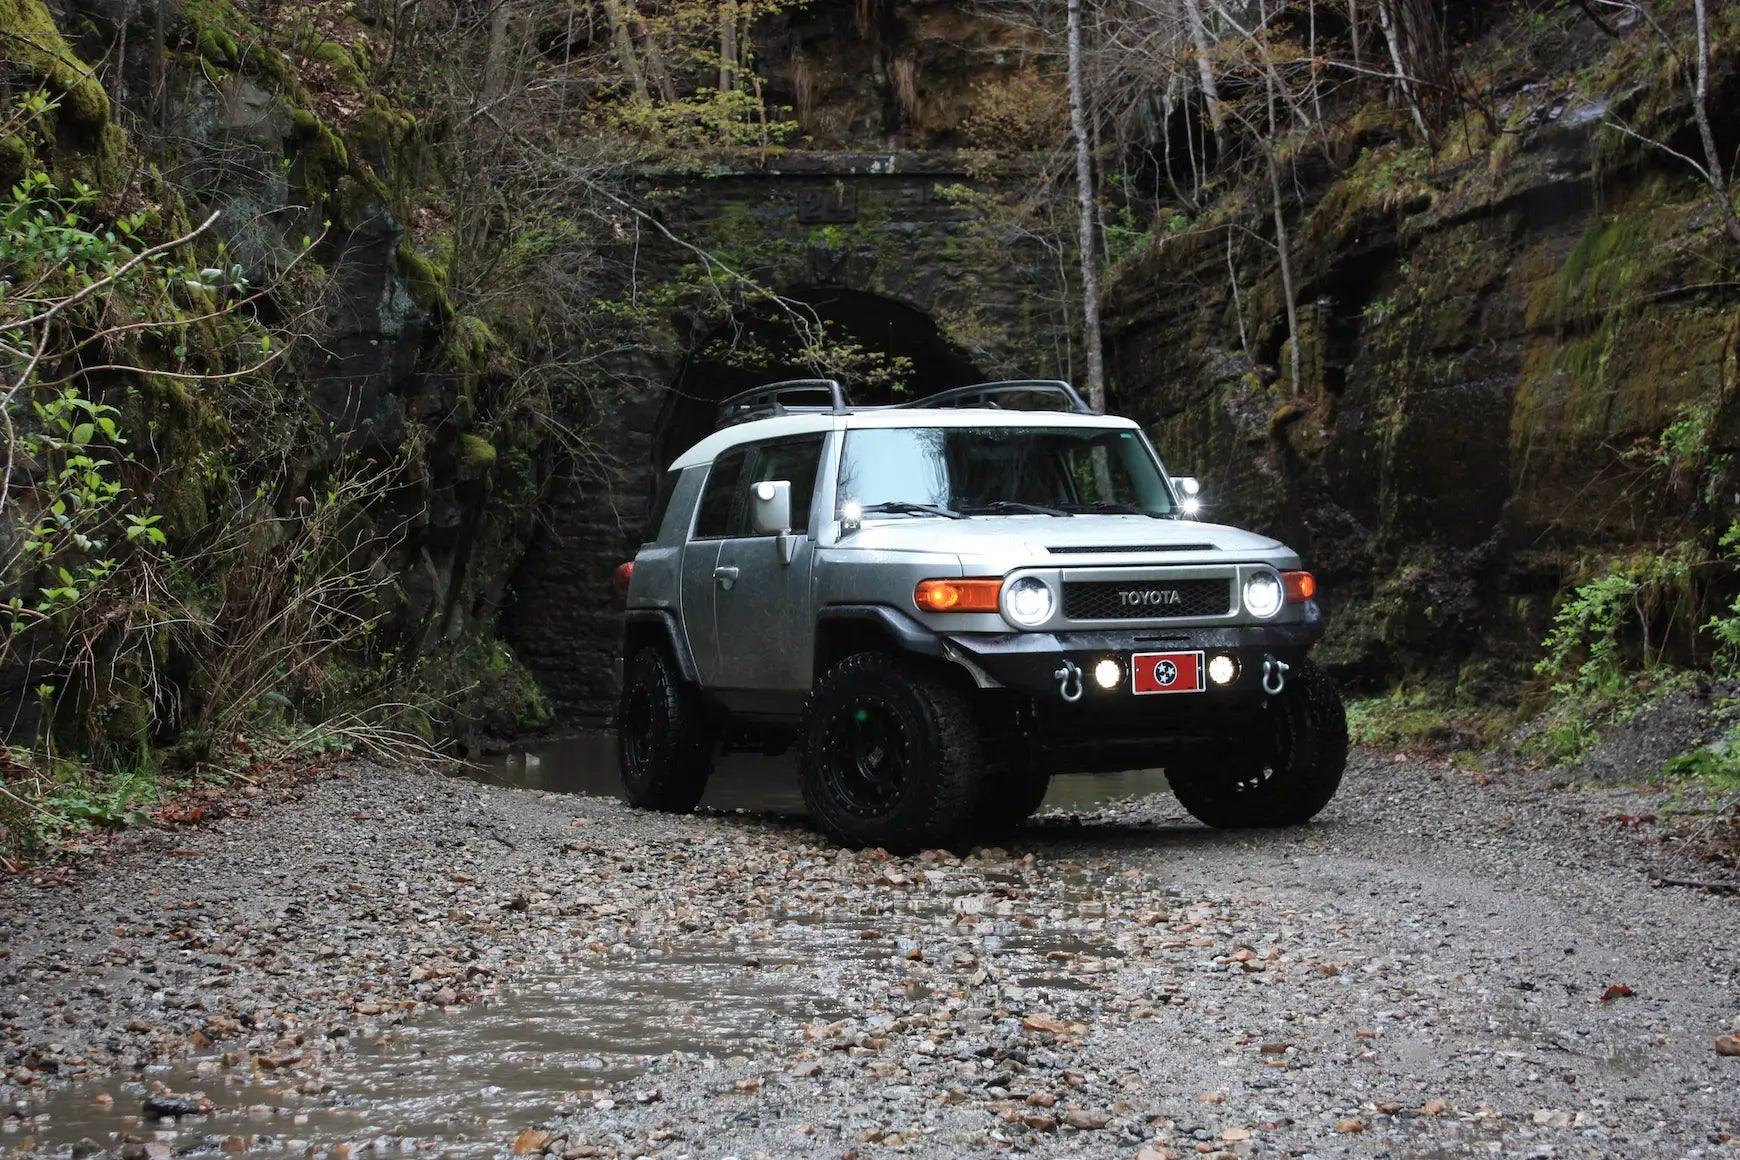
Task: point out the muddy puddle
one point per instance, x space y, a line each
463 1082
755 784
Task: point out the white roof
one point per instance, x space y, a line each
810 422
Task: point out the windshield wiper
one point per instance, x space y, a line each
903 508
1107 507
1005 506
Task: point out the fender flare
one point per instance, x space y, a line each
663 623
909 634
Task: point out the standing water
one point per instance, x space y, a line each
461 1082
764 785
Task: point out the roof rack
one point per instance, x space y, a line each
765 401
986 394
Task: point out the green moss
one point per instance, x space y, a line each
476 454
426 280
35 45
338 58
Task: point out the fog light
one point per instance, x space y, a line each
1109 674
1223 670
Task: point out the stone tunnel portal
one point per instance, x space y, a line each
901 354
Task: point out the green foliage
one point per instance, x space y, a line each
1724 628
1716 765
1603 655
1420 717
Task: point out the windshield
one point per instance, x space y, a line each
1003 471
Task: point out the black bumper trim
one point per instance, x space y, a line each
1027 662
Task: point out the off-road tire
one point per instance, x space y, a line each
1292 780
890 755
1008 798
664 744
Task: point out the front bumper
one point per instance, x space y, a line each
1028 662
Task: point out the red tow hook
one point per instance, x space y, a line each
623 577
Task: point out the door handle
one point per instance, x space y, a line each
726 575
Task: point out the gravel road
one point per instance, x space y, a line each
1443 964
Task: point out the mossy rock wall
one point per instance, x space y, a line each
1493 340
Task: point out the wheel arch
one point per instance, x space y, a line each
658 627
845 629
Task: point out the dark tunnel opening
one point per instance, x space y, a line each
763 347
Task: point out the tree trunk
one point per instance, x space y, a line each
1399 61
624 45
1205 66
728 46
1084 184
1701 112
655 60
495 68
1282 240
1421 60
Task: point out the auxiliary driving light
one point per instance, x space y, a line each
1223 670
1108 674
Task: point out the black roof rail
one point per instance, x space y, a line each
770 399
985 394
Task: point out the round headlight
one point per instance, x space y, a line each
1263 595
1028 602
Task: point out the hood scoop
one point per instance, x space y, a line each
1124 549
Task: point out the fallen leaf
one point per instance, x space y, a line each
1350 1126
530 1142
1434 1107
1046 1024
1728 1045
1616 991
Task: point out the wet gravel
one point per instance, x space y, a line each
1447 962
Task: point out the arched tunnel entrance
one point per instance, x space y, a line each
883 350
562 617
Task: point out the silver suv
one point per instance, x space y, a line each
944 603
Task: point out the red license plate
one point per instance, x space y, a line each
1180 672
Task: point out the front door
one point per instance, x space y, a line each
713 524
764 614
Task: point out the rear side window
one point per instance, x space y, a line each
797 461
655 516
720 502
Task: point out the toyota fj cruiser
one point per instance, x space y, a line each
944 603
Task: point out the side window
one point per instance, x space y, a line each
796 460
721 501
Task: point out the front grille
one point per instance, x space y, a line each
1124 549
1146 599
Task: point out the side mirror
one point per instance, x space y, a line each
770 507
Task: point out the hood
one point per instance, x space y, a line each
1040 537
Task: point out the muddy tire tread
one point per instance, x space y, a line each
682 753
947 736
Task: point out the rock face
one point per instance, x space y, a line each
1492 350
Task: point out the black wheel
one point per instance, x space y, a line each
891 754
1301 751
663 743
1009 796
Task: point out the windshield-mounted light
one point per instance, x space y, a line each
851 515
1028 602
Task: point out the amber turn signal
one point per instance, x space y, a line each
958 595
1300 586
